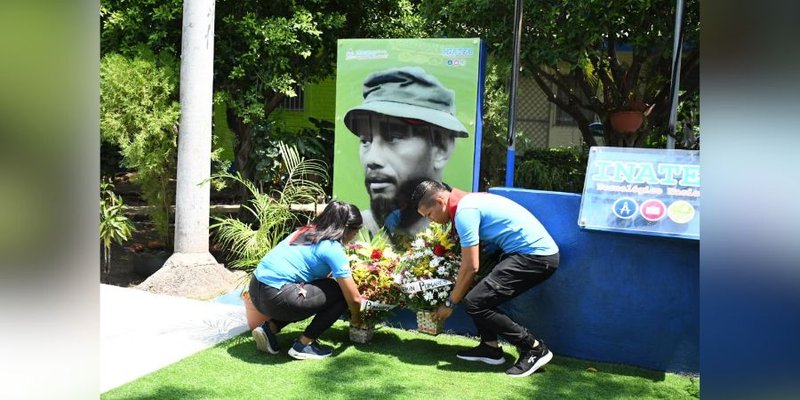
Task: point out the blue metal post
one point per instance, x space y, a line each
512 103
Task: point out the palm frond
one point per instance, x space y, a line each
300 185
275 218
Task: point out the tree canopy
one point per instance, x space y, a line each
262 48
602 56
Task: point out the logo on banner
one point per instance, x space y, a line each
680 212
625 208
458 51
456 62
366 54
653 210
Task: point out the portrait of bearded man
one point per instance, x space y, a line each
407 129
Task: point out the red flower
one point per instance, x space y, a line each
439 250
376 254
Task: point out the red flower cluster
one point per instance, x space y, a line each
376 254
439 250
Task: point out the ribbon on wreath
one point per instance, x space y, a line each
425 284
369 305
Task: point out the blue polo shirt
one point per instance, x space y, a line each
496 220
287 263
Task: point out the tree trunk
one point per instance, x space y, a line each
244 147
193 194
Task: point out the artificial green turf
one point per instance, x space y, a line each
397 364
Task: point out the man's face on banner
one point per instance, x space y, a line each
393 151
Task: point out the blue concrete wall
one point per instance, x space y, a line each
616 297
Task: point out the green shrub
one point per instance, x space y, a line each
139 113
313 143
560 169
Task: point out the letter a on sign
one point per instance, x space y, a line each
625 208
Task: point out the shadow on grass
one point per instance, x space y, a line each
422 351
162 392
563 377
244 348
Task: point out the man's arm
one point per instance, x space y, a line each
470 263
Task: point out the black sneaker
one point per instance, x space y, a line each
484 352
266 341
311 351
530 360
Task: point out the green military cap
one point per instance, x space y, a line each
409 92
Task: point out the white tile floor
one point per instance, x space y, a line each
141 332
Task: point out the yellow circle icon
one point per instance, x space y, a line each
680 212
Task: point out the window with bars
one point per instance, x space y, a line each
296 103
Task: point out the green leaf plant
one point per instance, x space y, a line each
274 213
139 112
114 225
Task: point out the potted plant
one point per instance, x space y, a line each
630 116
114 225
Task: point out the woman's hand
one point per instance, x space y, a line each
356 322
353 298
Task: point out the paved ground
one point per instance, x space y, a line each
142 332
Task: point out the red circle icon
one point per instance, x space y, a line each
653 210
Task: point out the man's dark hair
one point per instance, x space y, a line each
425 192
331 224
408 211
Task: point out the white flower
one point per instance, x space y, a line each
441 270
418 243
427 295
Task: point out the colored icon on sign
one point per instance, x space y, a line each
653 210
681 212
625 207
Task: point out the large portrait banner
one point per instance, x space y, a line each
406 109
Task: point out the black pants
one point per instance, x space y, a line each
323 299
513 275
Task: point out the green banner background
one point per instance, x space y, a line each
454 62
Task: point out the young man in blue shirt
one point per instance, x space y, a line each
529 256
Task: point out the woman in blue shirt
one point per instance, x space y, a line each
293 281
